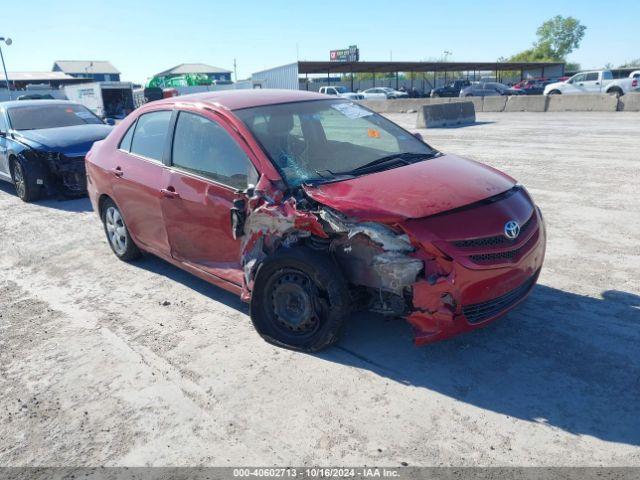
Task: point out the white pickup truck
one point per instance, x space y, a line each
341 92
597 81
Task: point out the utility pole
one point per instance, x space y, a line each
235 70
6 77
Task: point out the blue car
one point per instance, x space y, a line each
43 144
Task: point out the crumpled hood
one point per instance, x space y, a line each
413 191
75 140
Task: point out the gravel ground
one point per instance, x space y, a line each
105 363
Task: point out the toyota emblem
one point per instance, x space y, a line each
511 229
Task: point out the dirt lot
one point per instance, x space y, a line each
107 363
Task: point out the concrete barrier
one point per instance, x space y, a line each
582 103
446 115
494 104
629 102
526 103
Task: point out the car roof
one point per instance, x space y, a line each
238 99
26 103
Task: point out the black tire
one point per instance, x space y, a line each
299 300
117 232
555 92
26 188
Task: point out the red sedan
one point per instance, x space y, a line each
311 208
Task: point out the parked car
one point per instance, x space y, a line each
312 207
36 96
450 90
43 144
488 89
341 92
383 93
374 94
532 86
596 81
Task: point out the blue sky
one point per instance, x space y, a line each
143 38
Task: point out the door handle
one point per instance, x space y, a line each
117 171
169 192
597 83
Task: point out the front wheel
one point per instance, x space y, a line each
299 300
117 233
22 181
555 92
615 92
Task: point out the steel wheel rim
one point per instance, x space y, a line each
294 303
18 180
116 230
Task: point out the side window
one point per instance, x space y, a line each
151 134
125 143
607 75
204 147
592 77
578 78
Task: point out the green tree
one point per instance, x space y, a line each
557 38
560 35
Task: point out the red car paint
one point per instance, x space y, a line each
440 204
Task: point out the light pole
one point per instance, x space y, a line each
6 77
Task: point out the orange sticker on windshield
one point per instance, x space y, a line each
373 133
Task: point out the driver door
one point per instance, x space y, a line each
576 85
207 168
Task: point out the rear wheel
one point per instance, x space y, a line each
117 233
25 187
299 300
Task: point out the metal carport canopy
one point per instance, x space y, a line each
306 67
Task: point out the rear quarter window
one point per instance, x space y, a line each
125 143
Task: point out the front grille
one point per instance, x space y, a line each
496 241
509 255
479 312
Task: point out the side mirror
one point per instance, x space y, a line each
418 135
110 121
3 134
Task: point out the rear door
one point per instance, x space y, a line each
140 175
209 165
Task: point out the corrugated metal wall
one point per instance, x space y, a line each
285 77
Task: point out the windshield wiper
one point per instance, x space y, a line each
406 158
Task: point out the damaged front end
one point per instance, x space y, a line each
58 173
380 262
402 268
